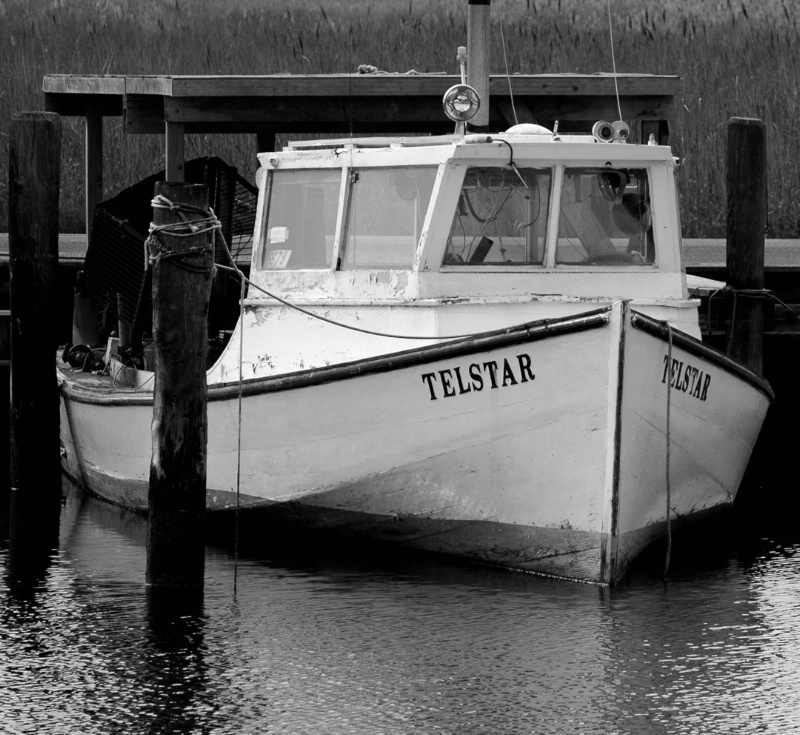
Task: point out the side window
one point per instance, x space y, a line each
604 218
301 219
501 217
385 214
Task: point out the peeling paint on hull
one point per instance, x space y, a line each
559 473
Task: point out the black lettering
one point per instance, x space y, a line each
698 386
491 368
525 368
664 376
706 383
428 379
461 388
673 373
677 376
693 380
508 374
475 374
685 383
448 389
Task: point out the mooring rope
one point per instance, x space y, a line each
239 436
155 251
748 293
336 323
668 479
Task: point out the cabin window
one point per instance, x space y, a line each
385 214
301 219
501 217
604 218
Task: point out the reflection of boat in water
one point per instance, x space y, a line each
522 350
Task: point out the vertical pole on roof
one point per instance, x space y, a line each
478 33
34 173
747 222
182 273
93 176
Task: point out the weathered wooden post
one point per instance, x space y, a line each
747 221
33 187
182 270
478 34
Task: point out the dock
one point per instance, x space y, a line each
267 106
703 257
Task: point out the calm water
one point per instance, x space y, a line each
337 643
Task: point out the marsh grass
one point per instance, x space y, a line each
736 58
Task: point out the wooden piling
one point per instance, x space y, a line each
33 191
747 220
478 27
177 492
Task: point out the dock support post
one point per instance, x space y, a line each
94 164
478 33
747 220
182 270
174 151
34 173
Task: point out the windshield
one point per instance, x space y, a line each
605 218
386 211
501 217
301 219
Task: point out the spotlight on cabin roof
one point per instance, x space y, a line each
607 132
461 103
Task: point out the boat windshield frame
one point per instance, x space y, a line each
452 164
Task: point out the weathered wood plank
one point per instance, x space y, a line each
84 84
149 85
360 84
143 114
282 112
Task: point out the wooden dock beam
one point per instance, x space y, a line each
33 192
182 275
747 222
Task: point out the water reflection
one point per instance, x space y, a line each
343 641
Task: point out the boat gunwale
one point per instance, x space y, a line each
694 346
480 342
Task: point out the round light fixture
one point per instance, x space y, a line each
461 103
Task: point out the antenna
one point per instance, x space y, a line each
508 76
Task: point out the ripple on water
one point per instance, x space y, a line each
373 643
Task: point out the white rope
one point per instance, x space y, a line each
669 489
342 324
239 437
508 77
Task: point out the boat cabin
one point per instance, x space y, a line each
449 235
519 211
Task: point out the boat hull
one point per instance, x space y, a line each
536 447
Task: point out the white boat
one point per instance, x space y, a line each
528 387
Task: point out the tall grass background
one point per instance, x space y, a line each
735 58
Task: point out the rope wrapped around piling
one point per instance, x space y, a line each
155 251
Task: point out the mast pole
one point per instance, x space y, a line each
478 26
